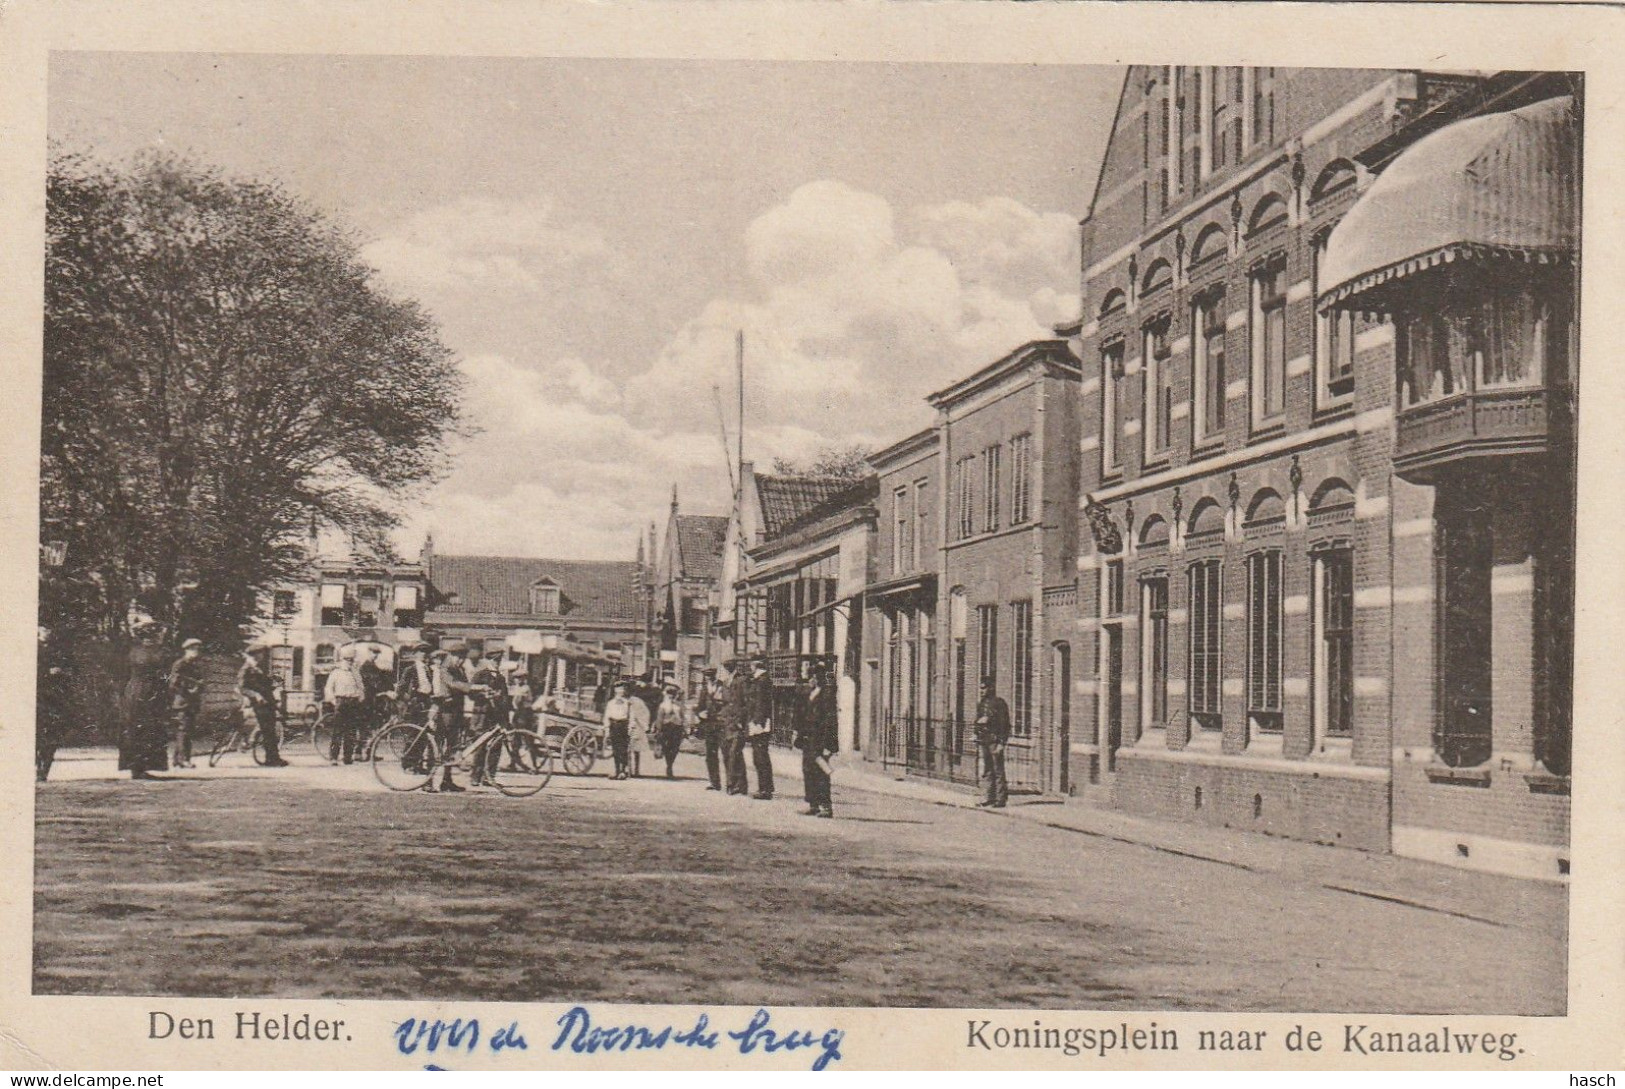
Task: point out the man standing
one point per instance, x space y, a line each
490 708
992 732
450 684
759 719
374 684
185 700
817 734
345 693
254 685
708 712
733 730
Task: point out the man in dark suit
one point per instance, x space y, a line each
817 736
733 729
708 712
759 727
992 734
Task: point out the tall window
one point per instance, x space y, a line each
1462 733
921 513
1021 665
369 601
965 495
1333 574
1021 484
902 532
1207 365
408 613
1154 652
991 457
987 641
1269 343
1264 640
1206 620
1168 155
1218 122
956 633
333 595
284 604
1334 345
1176 145
1204 123
1113 605
1111 375
1159 390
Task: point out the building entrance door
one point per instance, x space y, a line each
1112 733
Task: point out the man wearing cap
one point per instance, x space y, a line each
345 693
490 700
759 720
374 686
992 729
185 700
258 691
413 685
708 713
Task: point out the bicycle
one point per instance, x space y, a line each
405 756
244 737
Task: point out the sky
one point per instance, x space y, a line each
589 235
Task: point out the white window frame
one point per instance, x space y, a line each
1261 418
1201 430
1326 323
1204 122
900 518
1021 479
1111 460
920 518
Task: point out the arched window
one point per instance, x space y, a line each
1266 509
1210 245
1115 300
1154 532
1332 495
1157 277
1338 177
1270 212
1207 521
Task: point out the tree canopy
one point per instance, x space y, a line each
222 376
843 462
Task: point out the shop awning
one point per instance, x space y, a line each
1496 188
924 582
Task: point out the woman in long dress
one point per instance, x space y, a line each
143 706
618 716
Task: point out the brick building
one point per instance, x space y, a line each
1299 600
597 605
342 601
975 529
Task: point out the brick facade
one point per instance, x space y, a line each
1306 732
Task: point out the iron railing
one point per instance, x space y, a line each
946 750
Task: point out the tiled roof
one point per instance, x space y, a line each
699 544
501 585
787 500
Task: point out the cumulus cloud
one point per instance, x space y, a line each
854 319
854 313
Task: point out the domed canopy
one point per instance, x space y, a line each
1502 187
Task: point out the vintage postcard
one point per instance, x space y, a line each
810 537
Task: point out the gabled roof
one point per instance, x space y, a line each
500 585
700 539
788 500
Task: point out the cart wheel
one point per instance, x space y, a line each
579 750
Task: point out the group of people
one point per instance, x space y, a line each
160 703
461 686
738 714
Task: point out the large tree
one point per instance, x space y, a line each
222 375
844 462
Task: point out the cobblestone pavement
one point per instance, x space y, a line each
312 881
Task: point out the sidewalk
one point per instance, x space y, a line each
1503 901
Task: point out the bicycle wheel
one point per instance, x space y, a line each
321 738
578 752
404 756
519 763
